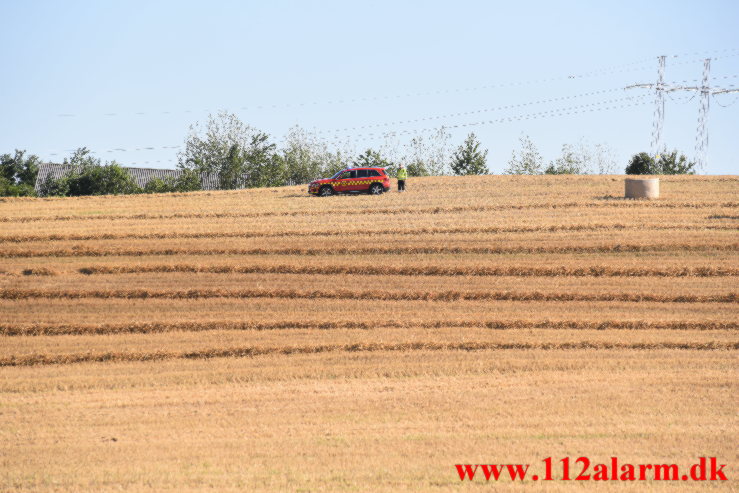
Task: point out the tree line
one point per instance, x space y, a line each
241 156
582 159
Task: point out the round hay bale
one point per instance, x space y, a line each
642 188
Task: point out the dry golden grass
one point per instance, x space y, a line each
10 329
117 310
359 421
344 277
359 230
312 229
64 349
719 262
267 340
366 295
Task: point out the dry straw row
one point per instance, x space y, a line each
160 327
379 295
374 250
353 269
390 231
385 211
252 351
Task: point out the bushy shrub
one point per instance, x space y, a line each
89 177
469 159
571 162
672 164
157 185
668 163
527 161
641 164
188 181
10 189
18 174
110 179
51 187
371 158
417 168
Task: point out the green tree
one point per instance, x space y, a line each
88 176
159 185
233 169
417 168
602 159
527 161
303 157
239 154
264 168
12 189
667 163
18 174
641 164
51 187
333 162
571 162
428 155
371 158
188 181
18 168
468 159
108 179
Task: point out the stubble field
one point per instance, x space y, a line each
267 340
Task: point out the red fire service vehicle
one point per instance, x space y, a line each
352 180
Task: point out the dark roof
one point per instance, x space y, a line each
141 176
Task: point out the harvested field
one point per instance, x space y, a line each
119 310
267 340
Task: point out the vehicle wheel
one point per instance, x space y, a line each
326 191
375 189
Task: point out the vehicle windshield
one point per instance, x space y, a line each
337 174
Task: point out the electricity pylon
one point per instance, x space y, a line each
706 91
659 105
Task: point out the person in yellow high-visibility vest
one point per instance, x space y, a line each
402 176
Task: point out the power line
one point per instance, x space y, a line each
581 109
628 67
556 113
348 130
56 152
709 52
472 112
686 81
732 102
608 70
560 112
695 60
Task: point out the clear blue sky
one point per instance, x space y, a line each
159 66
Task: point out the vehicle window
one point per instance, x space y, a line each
337 175
362 173
348 174
372 172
